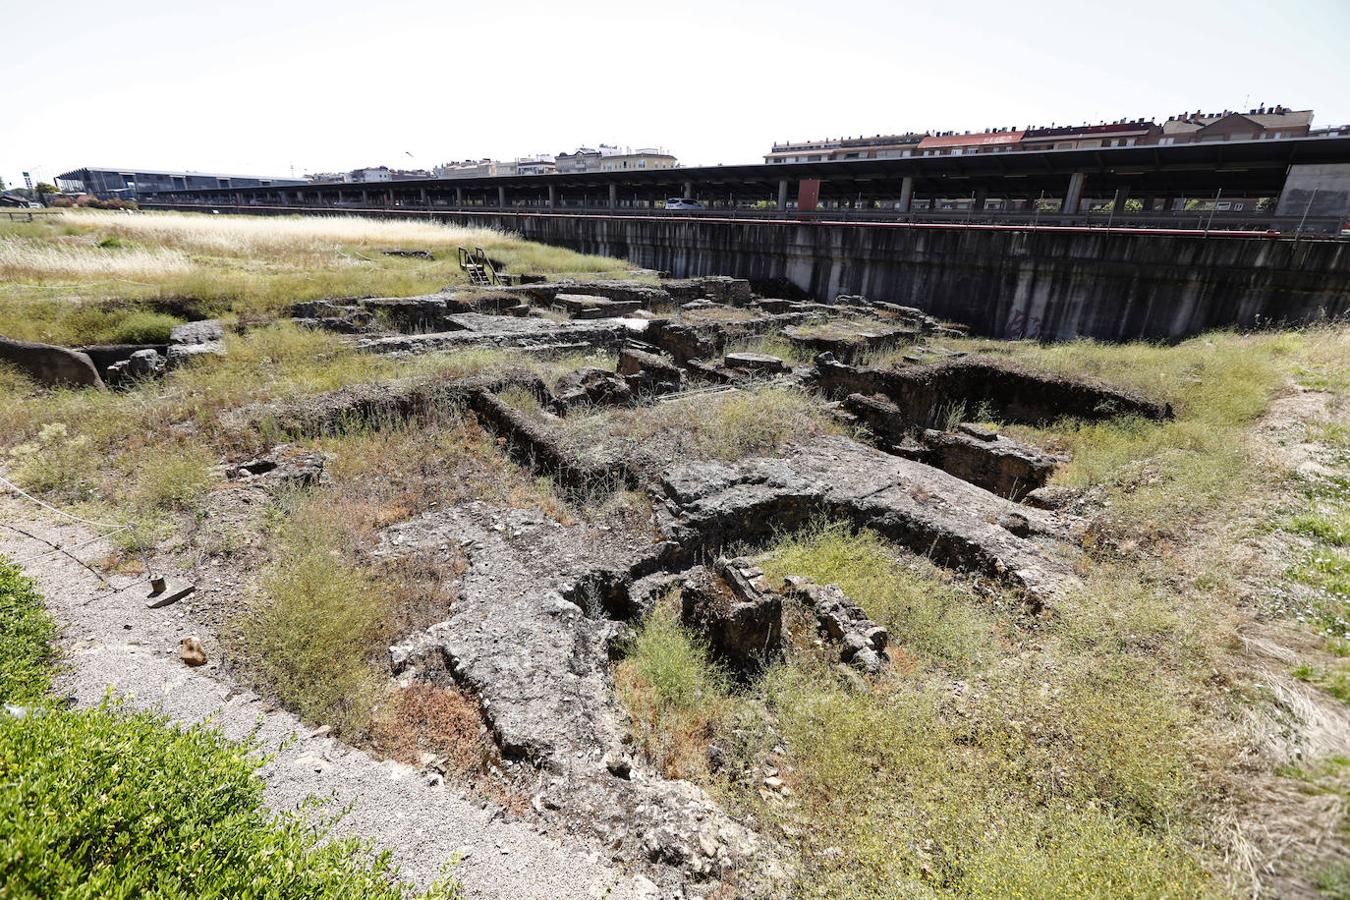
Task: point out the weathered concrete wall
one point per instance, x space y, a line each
1053 285
1320 190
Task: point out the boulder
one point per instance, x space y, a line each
994 462
743 628
50 365
591 387
191 651
758 363
195 339
649 373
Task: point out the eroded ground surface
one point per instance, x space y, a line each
526 482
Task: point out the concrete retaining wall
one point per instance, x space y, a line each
1013 284
1002 283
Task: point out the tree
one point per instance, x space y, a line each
44 187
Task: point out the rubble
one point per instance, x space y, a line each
285 465
926 395
589 386
862 642
721 289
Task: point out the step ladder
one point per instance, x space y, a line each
481 271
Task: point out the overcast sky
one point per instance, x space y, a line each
326 85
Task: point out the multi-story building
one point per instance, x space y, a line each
585 159
1260 124
1076 137
642 158
1263 123
950 143
540 164
880 146
127 183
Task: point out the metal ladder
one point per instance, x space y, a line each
478 267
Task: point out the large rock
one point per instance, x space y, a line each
711 505
649 373
990 460
50 365
193 340
742 625
589 386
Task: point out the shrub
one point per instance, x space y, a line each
25 632
108 803
173 477
674 694
312 632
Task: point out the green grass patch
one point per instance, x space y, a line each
674 695
26 655
925 614
108 803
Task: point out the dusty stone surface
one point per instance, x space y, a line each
473 330
110 640
709 505
50 365
530 636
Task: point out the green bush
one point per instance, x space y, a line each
319 621
673 693
111 804
25 633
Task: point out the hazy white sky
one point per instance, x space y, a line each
324 85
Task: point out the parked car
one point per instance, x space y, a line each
33 204
683 203
1345 228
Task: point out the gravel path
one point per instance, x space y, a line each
111 641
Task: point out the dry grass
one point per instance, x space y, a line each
427 719
41 260
63 270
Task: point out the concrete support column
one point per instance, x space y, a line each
552 196
389 197
365 198
906 194
689 190
422 196
1073 197
459 196
782 193
1122 194
981 196
613 196
501 197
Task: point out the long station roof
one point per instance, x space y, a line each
1198 168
